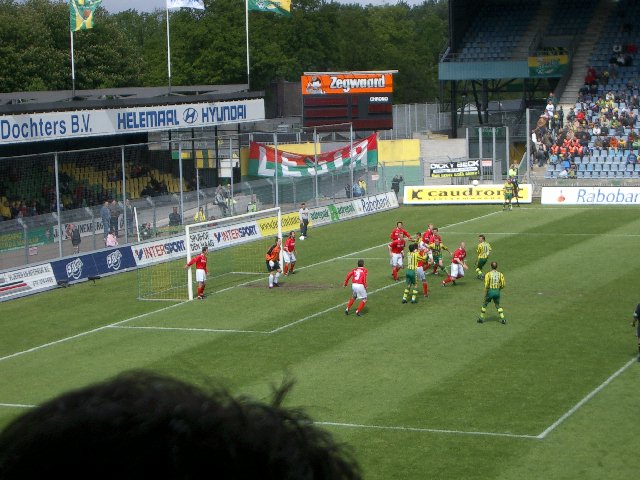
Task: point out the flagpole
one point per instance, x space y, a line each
275 144
246 24
168 50
315 163
351 155
73 68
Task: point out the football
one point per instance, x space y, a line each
301 237
475 183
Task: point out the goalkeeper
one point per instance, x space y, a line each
273 263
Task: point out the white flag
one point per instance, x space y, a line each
199 4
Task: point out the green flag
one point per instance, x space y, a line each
279 7
81 13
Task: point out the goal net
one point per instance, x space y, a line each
237 247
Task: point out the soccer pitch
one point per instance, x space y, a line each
419 391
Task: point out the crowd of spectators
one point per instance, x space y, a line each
605 118
28 189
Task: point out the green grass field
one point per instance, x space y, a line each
419 391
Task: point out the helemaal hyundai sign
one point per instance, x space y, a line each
71 124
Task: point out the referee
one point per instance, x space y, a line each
493 284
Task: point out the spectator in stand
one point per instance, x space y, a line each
580 117
174 218
115 211
560 117
363 185
613 143
33 209
112 239
200 216
220 201
5 210
148 191
105 215
591 77
632 158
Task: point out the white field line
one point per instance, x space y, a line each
589 396
424 430
317 314
88 332
16 405
185 329
541 234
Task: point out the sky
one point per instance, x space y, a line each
115 6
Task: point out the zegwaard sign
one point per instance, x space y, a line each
35 127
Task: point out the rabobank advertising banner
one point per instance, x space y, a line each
357 207
102 262
462 194
63 125
590 196
25 281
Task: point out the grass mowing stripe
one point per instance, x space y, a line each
425 430
588 397
72 337
317 314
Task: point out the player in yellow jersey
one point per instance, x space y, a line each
483 250
508 194
410 274
494 282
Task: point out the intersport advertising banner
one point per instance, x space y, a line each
590 196
72 124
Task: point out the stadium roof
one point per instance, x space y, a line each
28 102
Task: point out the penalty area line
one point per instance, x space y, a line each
317 314
425 430
588 397
186 329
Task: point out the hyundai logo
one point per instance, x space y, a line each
190 115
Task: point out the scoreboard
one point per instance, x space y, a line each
361 99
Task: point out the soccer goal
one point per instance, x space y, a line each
237 248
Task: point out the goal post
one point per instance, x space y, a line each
239 242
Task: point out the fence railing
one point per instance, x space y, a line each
146 191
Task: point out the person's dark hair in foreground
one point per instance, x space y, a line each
143 425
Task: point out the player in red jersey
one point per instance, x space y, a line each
289 253
273 263
426 236
423 256
201 270
396 252
458 265
399 232
358 278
